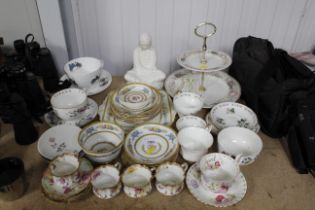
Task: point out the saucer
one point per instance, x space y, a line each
88 115
74 187
133 192
108 192
104 82
57 140
169 190
234 194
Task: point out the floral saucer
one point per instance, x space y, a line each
107 193
104 82
134 192
87 116
151 144
61 189
221 199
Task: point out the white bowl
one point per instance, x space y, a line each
101 141
187 103
69 104
190 121
84 71
137 176
240 143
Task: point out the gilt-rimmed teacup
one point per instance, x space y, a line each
69 104
64 165
191 121
240 143
170 178
187 103
218 171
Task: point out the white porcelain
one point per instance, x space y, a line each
137 176
69 104
144 64
106 176
151 144
224 198
138 192
214 129
219 86
166 116
58 140
187 103
195 142
84 71
104 82
240 143
218 171
64 165
170 178
101 141
216 60
191 121
107 193
229 114
64 188
88 115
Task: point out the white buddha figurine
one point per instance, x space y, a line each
144 64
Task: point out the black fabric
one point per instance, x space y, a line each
271 81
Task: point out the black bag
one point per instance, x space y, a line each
271 82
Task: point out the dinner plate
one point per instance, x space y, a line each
223 199
57 140
219 86
216 60
151 144
87 116
229 114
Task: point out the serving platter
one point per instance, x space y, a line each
217 87
151 144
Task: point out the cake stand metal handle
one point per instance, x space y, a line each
203 59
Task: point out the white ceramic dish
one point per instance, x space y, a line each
101 141
151 144
225 198
229 114
191 121
220 87
240 143
69 103
187 103
106 176
61 189
165 117
58 140
64 165
88 115
104 82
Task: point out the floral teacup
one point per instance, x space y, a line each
64 165
105 180
170 178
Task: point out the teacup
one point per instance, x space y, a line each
195 142
101 141
170 178
137 180
84 71
240 143
187 103
218 171
64 165
105 180
191 121
69 104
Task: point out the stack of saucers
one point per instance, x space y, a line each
135 103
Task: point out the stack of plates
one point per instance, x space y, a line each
152 106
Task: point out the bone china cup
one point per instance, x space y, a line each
241 143
64 165
191 121
187 103
218 171
101 141
195 142
85 71
106 176
69 104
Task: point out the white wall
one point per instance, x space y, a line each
18 18
109 29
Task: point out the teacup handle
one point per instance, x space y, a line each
184 166
209 127
117 165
